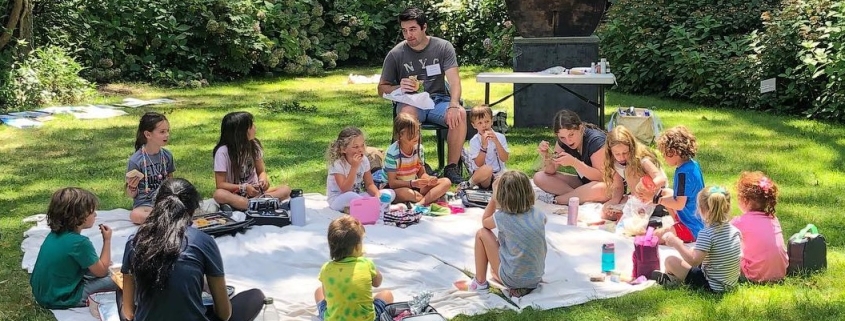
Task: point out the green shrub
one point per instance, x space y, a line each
479 30
690 49
803 47
47 75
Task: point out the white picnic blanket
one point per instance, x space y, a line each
285 262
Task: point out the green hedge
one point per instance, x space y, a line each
717 53
192 42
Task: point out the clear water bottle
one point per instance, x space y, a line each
608 257
269 313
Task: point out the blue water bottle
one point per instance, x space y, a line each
608 257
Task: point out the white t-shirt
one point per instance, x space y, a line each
492 157
341 166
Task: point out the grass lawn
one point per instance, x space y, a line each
806 158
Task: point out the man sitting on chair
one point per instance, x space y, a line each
432 62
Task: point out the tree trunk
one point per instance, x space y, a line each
14 17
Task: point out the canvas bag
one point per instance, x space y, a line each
646 258
807 251
642 122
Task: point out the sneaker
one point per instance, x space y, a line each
226 208
465 185
430 171
453 173
660 277
475 286
546 197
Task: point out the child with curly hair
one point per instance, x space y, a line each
349 170
764 257
678 146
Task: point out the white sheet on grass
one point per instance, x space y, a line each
285 262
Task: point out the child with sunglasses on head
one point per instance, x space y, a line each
764 257
713 264
150 165
403 163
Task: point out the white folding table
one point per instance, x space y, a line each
530 78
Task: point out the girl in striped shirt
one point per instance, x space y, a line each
713 263
403 163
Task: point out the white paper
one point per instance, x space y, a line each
420 100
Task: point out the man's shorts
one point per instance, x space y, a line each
433 116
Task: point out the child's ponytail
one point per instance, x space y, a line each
714 203
158 242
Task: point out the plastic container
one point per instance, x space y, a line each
608 257
572 213
385 198
297 208
269 312
366 209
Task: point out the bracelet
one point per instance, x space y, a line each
456 107
484 150
411 184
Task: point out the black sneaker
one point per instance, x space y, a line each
660 277
430 171
453 173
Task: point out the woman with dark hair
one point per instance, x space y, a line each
579 145
167 262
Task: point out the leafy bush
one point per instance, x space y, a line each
691 49
188 43
480 30
47 75
803 46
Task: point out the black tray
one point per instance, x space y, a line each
217 224
280 218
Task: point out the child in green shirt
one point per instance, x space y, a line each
67 269
348 279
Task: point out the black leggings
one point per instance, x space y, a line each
245 306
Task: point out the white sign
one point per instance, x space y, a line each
767 85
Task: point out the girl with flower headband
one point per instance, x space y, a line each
713 264
764 256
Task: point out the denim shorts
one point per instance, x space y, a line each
379 305
433 116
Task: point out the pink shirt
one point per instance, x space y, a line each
763 251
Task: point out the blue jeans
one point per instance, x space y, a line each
93 284
433 116
379 305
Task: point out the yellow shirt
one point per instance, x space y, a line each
348 285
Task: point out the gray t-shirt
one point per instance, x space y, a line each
181 298
522 248
155 167
429 65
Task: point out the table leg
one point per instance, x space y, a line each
487 93
601 105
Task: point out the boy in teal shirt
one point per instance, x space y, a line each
59 279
